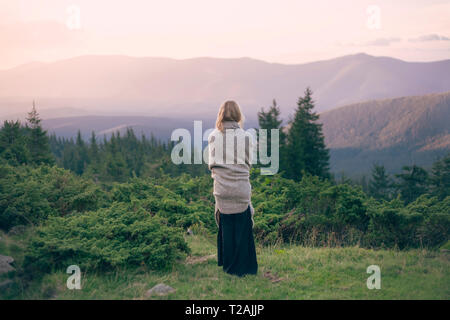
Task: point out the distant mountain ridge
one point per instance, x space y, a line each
164 87
393 132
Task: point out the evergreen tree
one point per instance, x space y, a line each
56 145
13 146
38 142
413 182
380 186
270 120
440 179
305 147
82 157
69 155
116 168
94 167
93 148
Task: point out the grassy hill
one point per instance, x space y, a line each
395 132
285 272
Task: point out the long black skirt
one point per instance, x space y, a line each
235 244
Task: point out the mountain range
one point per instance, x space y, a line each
163 87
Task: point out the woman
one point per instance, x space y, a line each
230 158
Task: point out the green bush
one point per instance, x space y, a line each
324 214
390 226
122 235
315 212
423 223
29 195
271 199
435 227
166 203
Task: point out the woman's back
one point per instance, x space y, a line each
230 157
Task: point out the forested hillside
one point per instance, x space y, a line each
393 132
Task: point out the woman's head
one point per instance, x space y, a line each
229 111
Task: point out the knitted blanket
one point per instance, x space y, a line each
229 159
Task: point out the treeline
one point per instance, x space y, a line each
118 158
412 182
107 160
115 159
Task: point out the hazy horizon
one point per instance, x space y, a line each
288 32
211 57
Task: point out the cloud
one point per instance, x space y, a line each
429 37
379 42
382 42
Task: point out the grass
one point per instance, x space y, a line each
285 272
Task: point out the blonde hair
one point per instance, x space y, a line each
229 111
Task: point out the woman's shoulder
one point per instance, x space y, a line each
247 133
214 133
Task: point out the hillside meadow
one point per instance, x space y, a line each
285 272
128 237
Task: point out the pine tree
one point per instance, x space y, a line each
38 143
440 179
270 120
380 186
413 182
82 157
116 167
94 154
69 155
13 146
305 147
93 148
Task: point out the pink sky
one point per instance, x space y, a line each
286 31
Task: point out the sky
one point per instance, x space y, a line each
283 31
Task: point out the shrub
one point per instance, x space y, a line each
271 199
325 214
30 195
122 235
435 227
315 212
166 203
390 226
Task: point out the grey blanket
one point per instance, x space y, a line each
229 159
